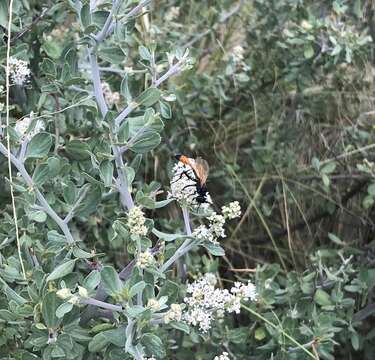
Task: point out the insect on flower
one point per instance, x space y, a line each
197 171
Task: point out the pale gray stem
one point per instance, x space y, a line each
43 202
125 196
23 150
92 5
185 213
138 355
124 114
173 70
109 25
97 83
186 246
102 304
103 32
70 215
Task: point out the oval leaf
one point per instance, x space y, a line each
62 270
39 146
111 281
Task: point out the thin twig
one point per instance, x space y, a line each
300 346
222 20
186 246
70 215
97 83
173 70
244 270
102 304
185 213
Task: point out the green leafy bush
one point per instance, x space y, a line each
110 249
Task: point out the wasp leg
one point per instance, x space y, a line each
186 173
190 185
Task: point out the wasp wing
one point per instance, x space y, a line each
202 168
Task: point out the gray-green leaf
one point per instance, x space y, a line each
39 146
111 281
62 270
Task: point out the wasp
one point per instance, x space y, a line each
200 169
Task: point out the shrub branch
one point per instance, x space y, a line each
43 202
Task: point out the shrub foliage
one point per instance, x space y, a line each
106 251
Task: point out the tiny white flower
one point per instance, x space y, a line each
172 13
136 222
74 300
244 291
199 317
64 293
83 292
238 53
223 356
232 211
19 71
128 69
173 314
111 97
205 303
203 233
153 305
217 224
306 25
22 127
211 279
145 259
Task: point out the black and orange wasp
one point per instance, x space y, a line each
200 169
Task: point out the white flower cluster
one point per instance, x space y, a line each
19 71
205 302
231 211
184 187
153 305
136 222
245 291
215 228
213 231
145 259
223 356
172 13
74 299
238 57
111 97
58 33
238 53
173 314
22 127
